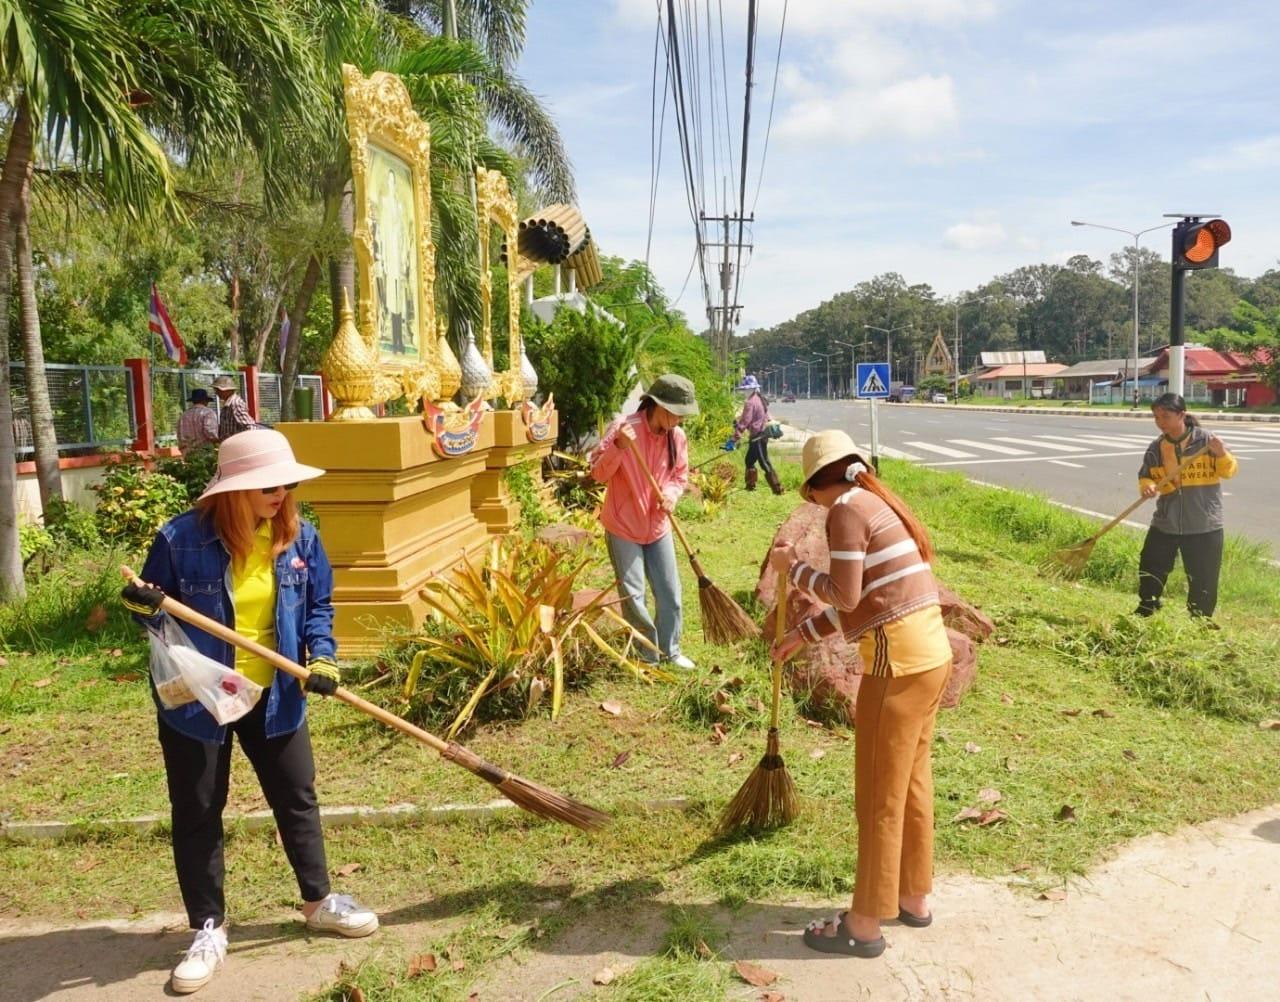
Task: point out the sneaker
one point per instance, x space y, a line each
680 661
341 914
205 956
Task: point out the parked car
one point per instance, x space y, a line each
790 398
938 398
901 394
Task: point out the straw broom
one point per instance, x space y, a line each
524 794
768 798
1070 560
723 620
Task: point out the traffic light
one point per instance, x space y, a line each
1196 243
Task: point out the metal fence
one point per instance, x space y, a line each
92 407
93 404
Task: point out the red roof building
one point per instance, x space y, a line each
1226 378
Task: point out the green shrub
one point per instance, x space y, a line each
520 482
193 470
34 540
133 503
679 351
71 525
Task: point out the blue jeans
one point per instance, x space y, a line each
656 561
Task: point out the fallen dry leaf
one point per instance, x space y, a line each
990 795
1022 868
131 676
1270 725
1071 713
971 748
423 963
459 965
735 757
40 683
1052 894
620 759
1019 738
4 661
613 709
991 817
968 814
1103 713
87 864
1130 754
772 997
702 950
117 652
717 733
813 723
1006 699
757 704
356 994
1002 640
817 753
346 869
96 619
604 976
755 975
1065 813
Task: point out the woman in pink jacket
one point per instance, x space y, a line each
754 420
637 529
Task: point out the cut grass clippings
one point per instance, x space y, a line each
1138 726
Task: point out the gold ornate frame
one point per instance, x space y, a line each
496 205
380 113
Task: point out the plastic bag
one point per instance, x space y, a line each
773 429
182 674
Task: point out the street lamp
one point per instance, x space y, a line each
828 357
888 333
1135 234
853 360
976 299
808 376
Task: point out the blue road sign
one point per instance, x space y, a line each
873 379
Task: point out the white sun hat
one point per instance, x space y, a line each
256 459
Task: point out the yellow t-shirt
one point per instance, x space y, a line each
911 645
253 593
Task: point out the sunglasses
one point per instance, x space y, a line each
272 490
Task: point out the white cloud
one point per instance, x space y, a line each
913 109
1254 154
975 236
821 17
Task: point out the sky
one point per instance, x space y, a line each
946 140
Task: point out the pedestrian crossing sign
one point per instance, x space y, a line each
873 379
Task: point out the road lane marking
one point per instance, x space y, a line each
988 446
1063 462
1042 445
941 450
1046 459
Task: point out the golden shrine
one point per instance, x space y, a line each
407 497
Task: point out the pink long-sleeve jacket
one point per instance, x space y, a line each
631 509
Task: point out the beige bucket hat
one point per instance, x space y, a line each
827 447
256 459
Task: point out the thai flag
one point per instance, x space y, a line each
285 327
159 323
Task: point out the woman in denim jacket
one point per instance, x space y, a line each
243 557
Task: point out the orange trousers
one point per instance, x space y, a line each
893 788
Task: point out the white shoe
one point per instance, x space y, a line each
341 914
680 661
207 952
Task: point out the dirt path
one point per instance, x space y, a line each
1193 916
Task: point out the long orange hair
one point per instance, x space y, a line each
234 522
834 473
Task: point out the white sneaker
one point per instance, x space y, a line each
680 661
341 914
207 952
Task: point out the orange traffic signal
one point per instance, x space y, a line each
1196 244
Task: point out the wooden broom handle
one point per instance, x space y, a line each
214 628
1186 461
779 631
653 482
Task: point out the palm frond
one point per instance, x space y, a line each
524 121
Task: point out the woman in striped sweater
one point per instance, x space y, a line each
881 593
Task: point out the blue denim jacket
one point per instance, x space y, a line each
189 563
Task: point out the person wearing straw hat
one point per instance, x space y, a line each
754 420
243 557
198 425
234 416
881 593
637 529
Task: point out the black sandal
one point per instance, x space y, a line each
915 921
840 943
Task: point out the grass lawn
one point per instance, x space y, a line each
1137 726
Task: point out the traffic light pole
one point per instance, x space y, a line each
1177 347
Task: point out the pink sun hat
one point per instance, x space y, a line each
256 459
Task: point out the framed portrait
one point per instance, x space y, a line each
395 260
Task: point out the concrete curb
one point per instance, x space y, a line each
330 817
1090 412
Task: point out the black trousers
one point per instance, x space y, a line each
199 775
758 452
1201 559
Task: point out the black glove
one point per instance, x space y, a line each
324 677
142 598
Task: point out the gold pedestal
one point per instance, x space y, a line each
490 499
391 512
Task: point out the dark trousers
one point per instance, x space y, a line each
199 775
758 452
1201 559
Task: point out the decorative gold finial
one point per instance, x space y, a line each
350 367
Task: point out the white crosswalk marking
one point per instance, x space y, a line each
989 447
941 450
898 454
1041 445
1063 462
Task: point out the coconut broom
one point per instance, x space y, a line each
524 794
723 620
768 798
1070 560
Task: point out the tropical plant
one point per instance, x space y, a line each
498 626
572 483
714 487
133 504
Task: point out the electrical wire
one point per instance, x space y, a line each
772 98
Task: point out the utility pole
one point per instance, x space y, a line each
723 317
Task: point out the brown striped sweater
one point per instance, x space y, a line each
877 572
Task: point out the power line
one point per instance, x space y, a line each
772 97
656 135
746 136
